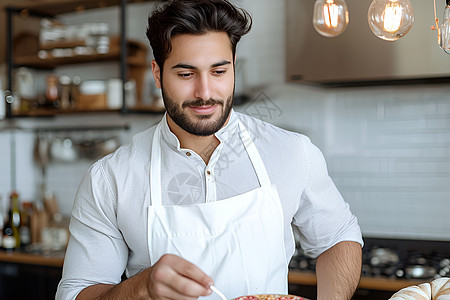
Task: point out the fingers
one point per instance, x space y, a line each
172 277
191 271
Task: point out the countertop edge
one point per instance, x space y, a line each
32 259
372 283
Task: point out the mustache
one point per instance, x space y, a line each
201 102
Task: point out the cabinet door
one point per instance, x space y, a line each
19 281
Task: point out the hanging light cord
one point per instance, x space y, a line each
436 27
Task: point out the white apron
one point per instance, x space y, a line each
238 241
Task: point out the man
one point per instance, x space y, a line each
165 210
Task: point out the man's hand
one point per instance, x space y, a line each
170 278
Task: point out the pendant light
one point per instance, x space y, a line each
390 19
330 17
444 36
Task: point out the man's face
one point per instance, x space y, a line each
198 82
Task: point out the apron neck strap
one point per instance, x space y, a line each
254 156
155 168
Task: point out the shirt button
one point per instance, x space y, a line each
188 153
208 172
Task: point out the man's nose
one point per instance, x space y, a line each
203 88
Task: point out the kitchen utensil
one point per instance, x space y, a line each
270 297
41 152
63 150
94 148
107 145
215 290
88 148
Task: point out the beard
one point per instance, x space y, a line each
203 125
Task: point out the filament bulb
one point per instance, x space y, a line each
390 19
330 17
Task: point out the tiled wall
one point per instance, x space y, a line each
387 148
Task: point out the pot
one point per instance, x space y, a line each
98 147
383 257
420 272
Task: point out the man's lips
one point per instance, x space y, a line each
204 109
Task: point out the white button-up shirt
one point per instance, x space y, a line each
109 218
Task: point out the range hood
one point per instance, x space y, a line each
357 57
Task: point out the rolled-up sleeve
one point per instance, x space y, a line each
96 252
323 217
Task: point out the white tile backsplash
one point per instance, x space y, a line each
387 148
388 151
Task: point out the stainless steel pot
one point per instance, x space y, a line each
420 272
383 257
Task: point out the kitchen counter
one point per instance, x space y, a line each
295 277
55 259
370 283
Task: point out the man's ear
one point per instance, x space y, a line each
156 74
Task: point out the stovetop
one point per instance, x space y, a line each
389 258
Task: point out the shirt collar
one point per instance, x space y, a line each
224 134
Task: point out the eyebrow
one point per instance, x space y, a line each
187 66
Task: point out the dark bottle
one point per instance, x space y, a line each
11 229
8 240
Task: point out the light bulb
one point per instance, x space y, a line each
330 17
390 19
445 29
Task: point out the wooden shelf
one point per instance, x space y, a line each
43 112
55 7
370 283
51 63
132 66
137 52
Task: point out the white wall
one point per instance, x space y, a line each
387 148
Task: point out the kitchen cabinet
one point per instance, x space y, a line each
23 49
29 276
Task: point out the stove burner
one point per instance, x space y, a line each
388 262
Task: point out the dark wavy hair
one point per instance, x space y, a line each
194 17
